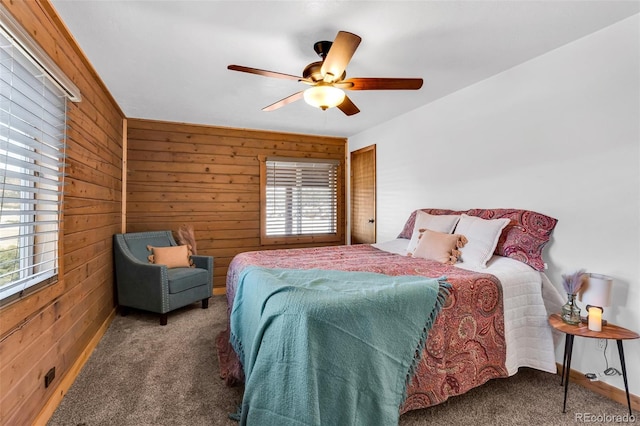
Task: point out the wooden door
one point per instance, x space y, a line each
363 195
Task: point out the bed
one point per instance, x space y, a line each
493 322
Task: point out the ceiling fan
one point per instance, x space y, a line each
327 77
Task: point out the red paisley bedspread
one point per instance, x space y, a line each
465 347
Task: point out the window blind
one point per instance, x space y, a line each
301 197
32 149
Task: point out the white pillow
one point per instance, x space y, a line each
433 222
482 236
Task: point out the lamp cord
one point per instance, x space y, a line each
609 371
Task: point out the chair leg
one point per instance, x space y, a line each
205 303
163 319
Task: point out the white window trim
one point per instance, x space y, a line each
32 51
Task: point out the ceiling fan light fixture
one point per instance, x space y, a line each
323 97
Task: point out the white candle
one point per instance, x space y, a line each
595 318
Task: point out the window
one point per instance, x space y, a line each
300 200
32 148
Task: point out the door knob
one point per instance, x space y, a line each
371 220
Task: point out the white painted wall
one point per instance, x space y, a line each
560 135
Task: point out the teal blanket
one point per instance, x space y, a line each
329 347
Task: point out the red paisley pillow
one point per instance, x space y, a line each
522 239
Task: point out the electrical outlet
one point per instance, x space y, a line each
602 343
48 378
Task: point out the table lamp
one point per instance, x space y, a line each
596 294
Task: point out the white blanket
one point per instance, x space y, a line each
529 298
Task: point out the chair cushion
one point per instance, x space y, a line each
182 279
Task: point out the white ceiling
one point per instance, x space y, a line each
167 60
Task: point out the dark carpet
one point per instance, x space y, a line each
144 374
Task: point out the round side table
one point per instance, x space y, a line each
609 331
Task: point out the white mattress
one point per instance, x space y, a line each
529 298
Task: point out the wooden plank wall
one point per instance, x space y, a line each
208 177
52 327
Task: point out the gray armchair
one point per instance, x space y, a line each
156 288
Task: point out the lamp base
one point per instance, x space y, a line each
585 320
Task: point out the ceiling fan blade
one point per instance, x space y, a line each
340 53
283 102
384 83
264 72
348 107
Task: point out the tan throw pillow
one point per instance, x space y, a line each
439 246
172 257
